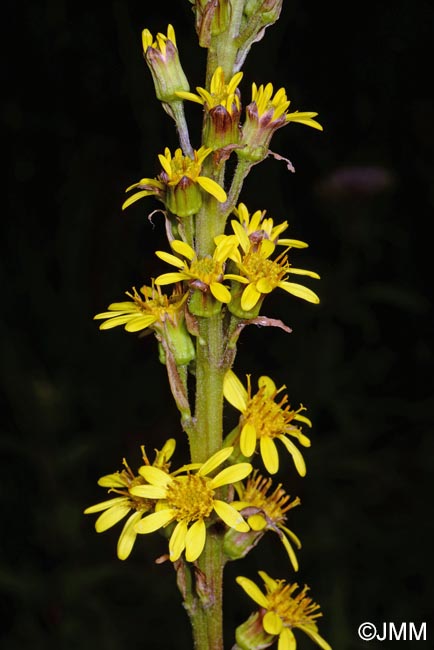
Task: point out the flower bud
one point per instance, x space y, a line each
179 342
212 18
251 635
184 198
163 61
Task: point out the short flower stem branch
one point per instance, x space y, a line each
177 112
242 169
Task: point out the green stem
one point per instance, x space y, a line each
176 110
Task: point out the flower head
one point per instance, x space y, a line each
162 58
115 509
266 511
281 611
266 113
204 275
222 109
251 229
179 185
154 310
261 275
264 419
189 499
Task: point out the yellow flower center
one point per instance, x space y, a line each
255 267
191 496
275 505
293 610
160 305
183 166
267 416
207 270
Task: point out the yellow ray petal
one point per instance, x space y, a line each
154 521
231 516
136 197
234 391
212 188
287 640
215 460
170 278
268 384
315 637
195 540
299 291
148 491
111 517
170 259
177 540
155 476
253 591
105 505
297 457
272 623
231 474
250 297
183 249
248 440
128 536
220 292
269 454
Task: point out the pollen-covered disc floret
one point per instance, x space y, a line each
189 500
265 510
265 420
115 509
180 183
204 274
281 611
262 275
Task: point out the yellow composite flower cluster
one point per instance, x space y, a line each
265 420
268 511
270 107
283 610
178 185
117 508
149 309
189 500
205 274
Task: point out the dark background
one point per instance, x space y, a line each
82 123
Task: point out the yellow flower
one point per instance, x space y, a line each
269 108
205 274
179 184
162 58
139 313
282 611
113 510
222 109
265 420
189 500
264 115
262 275
268 511
252 229
219 94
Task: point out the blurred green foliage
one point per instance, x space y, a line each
82 123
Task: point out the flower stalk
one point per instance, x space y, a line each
224 264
